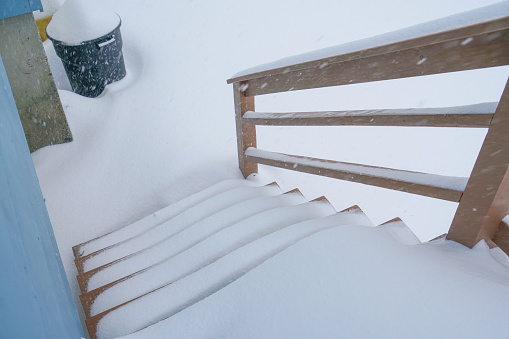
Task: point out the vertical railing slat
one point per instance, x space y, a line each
246 134
485 200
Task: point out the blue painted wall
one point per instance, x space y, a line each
10 8
35 298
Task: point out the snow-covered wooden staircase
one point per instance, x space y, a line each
150 270
156 267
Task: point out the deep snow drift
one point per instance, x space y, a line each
167 130
328 286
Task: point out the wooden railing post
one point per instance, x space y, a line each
485 200
246 134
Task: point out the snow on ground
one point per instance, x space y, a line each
167 130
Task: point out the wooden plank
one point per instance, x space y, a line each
452 37
246 135
395 220
77 249
438 237
484 50
501 238
485 201
436 186
465 116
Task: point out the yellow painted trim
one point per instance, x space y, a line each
41 26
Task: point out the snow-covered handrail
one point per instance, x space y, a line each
430 48
473 44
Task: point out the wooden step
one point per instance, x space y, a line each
442 236
478 115
431 185
399 231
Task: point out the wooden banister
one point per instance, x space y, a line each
466 48
431 185
464 116
483 201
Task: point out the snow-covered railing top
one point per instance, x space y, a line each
453 33
473 17
473 40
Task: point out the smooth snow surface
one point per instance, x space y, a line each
400 232
224 242
167 246
167 131
186 244
136 228
340 283
78 21
473 17
177 224
217 275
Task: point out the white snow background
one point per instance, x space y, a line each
167 130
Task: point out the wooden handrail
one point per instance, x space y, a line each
473 116
430 185
483 200
466 48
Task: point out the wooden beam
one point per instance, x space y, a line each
453 38
501 238
438 237
465 116
485 201
246 135
485 49
436 186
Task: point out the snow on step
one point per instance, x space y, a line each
173 298
399 231
188 238
173 245
268 220
155 219
174 225
438 238
206 252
